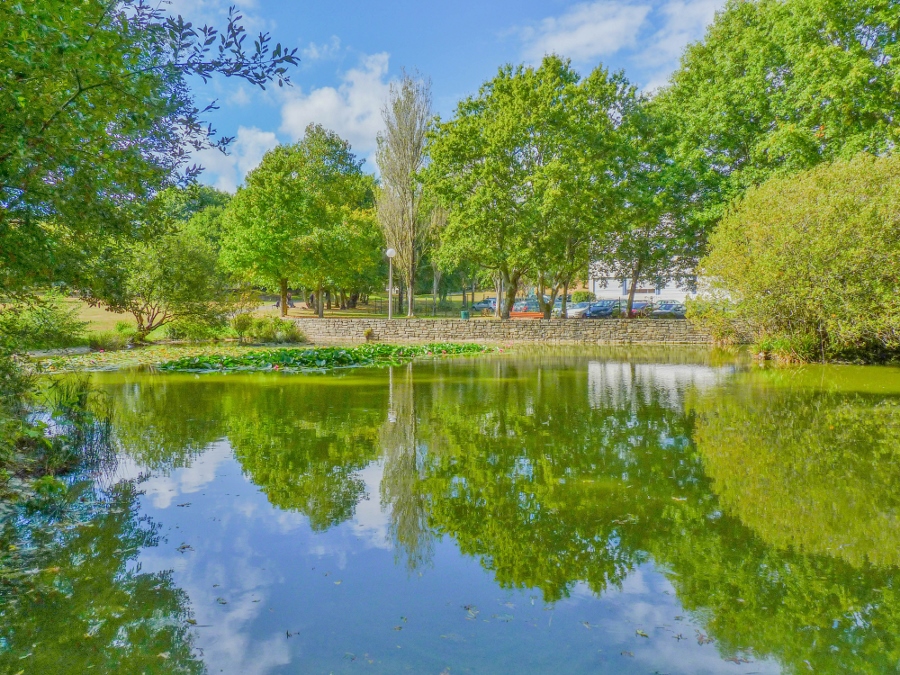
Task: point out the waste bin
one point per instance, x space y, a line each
464 314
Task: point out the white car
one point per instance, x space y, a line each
577 310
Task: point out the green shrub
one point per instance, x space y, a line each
809 261
195 331
241 324
583 296
716 316
272 329
109 341
42 323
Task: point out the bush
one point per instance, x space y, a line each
109 341
810 261
272 329
241 324
43 323
715 315
583 296
196 331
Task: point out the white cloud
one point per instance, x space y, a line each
353 109
244 154
238 97
586 31
321 52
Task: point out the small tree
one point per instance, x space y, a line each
172 277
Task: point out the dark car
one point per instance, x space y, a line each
668 310
602 309
638 309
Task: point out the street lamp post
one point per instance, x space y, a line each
390 254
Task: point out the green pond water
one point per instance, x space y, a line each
596 511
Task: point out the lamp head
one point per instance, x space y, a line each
391 253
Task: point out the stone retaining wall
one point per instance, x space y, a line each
554 331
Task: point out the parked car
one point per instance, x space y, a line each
602 309
487 303
668 310
577 310
527 305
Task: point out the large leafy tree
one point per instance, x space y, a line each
294 219
780 85
650 238
524 168
96 116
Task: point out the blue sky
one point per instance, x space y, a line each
351 51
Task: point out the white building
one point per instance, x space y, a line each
619 288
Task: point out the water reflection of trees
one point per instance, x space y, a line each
820 470
73 601
404 464
771 509
545 486
302 442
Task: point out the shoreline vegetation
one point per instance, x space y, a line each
320 359
218 357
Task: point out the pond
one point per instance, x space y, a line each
592 511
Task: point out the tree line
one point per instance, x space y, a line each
539 178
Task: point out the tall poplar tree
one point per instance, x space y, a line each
400 157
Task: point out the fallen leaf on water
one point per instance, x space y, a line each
192 622
398 627
641 633
586 625
627 653
337 583
163 655
222 601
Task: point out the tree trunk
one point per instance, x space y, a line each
499 291
399 295
634 281
411 299
464 297
320 302
565 301
512 287
328 299
435 280
284 307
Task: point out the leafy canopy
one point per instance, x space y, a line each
779 85
96 117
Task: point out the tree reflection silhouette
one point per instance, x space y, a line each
72 599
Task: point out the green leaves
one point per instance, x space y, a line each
778 86
304 215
